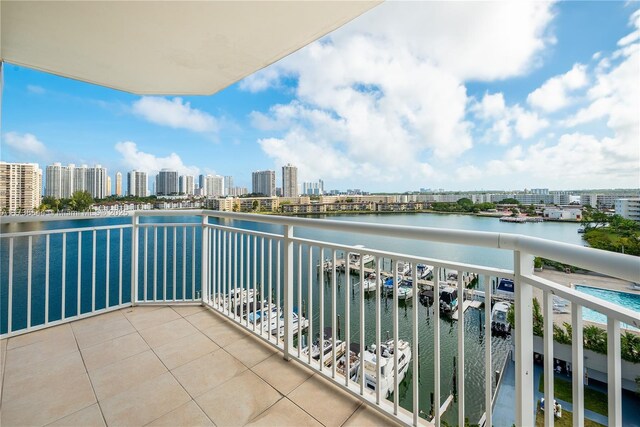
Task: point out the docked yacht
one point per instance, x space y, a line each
324 350
298 322
425 272
387 366
405 291
499 322
354 258
370 284
404 268
448 300
354 362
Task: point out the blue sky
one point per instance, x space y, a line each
460 96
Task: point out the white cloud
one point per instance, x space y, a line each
132 158
528 123
174 113
37 90
25 143
491 106
554 93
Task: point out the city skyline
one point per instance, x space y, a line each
554 104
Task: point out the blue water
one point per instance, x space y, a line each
623 299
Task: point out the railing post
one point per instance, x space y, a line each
523 264
204 261
288 290
135 220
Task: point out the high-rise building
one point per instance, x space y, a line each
63 181
290 181
118 184
214 186
79 178
186 184
201 184
167 183
59 181
313 188
20 186
96 181
228 185
137 184
108 185
264 182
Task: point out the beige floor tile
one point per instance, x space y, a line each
147 317
282 375
183 350
90 322
28 379
144 402
207 372
3 358
188 414
40 351
205 319
47 334
109 352
87 417
239 400
96 333
187 310
165 333
224 333
47 405
284 414
367 417
124 374
250 351
325 402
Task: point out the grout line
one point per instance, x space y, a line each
4 364
352 415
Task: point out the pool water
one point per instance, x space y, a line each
624 299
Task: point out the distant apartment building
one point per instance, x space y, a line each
289 181
562 213
228 185
20 187
561 197
119 184
238 191
59 181
186 185
628 208
62 181
201 184
313 188
137 184
264 182
108 185
96 181
214 186
167 183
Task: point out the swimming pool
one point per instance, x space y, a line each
624 299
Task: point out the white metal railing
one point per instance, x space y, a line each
237 271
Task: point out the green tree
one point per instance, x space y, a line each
81 201
255 205
595 338
509 201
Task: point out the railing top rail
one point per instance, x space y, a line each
63 230
14 219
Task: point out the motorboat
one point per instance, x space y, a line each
448 300
499 322
390 284
370 284
354 258
404 268
299 322
354 361
324 350
425 272
405 291
387 378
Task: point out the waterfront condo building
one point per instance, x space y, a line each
59 181
20 186
213 186
264 182
167 183
289 181
629 208
62 181
118 184
137 184
228 185
186 184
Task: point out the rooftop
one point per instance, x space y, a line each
163 365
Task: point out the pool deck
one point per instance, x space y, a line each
163 366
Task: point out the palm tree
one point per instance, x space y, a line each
630 347
595 339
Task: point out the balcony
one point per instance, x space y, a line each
148 320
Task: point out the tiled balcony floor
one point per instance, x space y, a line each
163 366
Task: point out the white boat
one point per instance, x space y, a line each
354 258
405 291
263 313
370 284
298 322
236 299
404 268
448 300
354 362
499 322
324 351
425 272
387 367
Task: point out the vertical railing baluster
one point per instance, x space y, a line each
257 298
488 368
523 264
248 283
164 264
10 290
224 262
347 317
436 345
215 268
79 292
333 315
193 263
120 267
278 291
46 281
395 336
362 337
577 364
547 300
378 332
460 373
321 301
64 277
184 263
244 293
134 258
270 270
204 260
155 263
236 296
145 295
108 263
93 271
614 372
414 328
262 280
174 257
299 300
288 291
310 302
